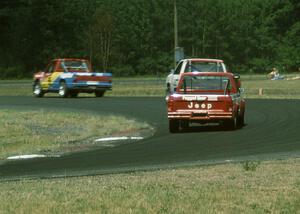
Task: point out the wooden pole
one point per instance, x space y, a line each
175 31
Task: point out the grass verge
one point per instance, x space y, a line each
155 86
269 187
48 132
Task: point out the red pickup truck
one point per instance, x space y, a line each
68 77
206 97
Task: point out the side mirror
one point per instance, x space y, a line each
172 71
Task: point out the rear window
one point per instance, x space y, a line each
192 84
200 66
75 66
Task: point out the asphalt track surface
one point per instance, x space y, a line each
271 131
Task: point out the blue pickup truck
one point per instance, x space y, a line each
69 77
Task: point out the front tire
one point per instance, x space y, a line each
63 90
37 89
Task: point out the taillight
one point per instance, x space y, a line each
229 105
105 79
226 102
169 100
170 106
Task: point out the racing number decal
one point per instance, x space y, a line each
198 106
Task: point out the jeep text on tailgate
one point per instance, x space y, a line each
206 97
68 77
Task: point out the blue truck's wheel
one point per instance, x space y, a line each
37 89
63 90
73 94
99 93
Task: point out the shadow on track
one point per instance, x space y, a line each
209 128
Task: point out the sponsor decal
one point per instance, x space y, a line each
192 98
193 105
48 81
212 98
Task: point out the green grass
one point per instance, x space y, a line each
288 89
273 187
155 86
56 132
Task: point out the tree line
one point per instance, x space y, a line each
136 37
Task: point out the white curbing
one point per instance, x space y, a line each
22 157
25 157
118 138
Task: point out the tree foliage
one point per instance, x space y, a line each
100 37
137 36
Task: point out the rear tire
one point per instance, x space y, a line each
184 124
231 124
63 90
37 89
174 126
74 94
241 119
99 93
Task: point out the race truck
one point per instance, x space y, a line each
68 77
206 97
193 65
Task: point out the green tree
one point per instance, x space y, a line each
100 37
136 36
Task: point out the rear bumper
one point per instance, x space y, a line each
90 86
201 115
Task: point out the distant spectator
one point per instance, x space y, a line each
274 75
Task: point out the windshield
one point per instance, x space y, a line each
200 66
205 84
75 66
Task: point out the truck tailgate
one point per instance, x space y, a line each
201 107
93 77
